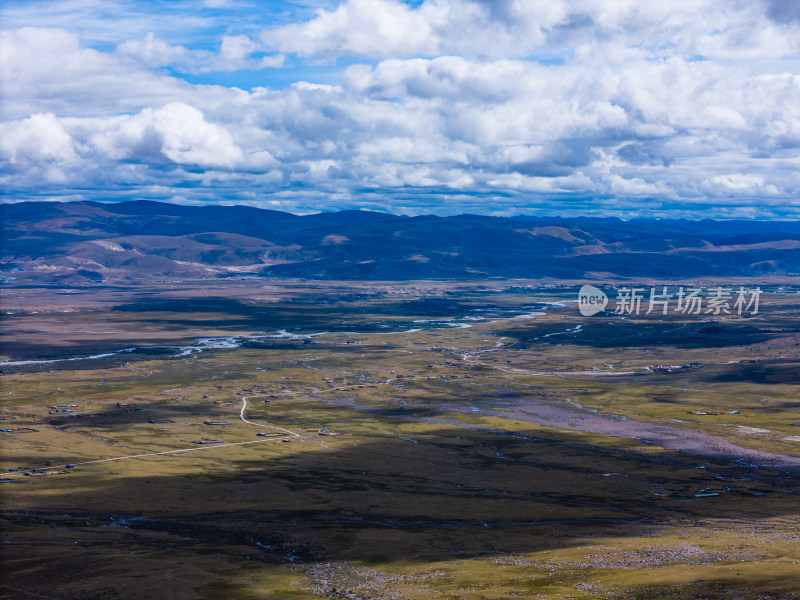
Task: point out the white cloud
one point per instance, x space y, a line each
454 123
177 132
636 186
740 184
454 109
38 150
508 28
235 52
153 52
48 70
362 27
39 138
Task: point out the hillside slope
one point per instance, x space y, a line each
89 241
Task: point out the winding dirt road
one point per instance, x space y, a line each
180 451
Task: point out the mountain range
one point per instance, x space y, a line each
84 242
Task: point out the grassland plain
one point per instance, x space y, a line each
463 452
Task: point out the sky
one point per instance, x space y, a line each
676 108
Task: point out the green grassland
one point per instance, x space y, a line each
438 483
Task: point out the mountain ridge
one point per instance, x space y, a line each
71 242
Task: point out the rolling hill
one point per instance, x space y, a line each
68 243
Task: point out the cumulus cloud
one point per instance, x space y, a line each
671 105
235 52
176 132
48 70
738 184
39 138
507 28
153 52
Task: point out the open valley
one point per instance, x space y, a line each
429 440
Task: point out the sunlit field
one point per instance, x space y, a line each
429 441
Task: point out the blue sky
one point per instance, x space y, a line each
608 108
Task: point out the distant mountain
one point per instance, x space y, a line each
76 242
